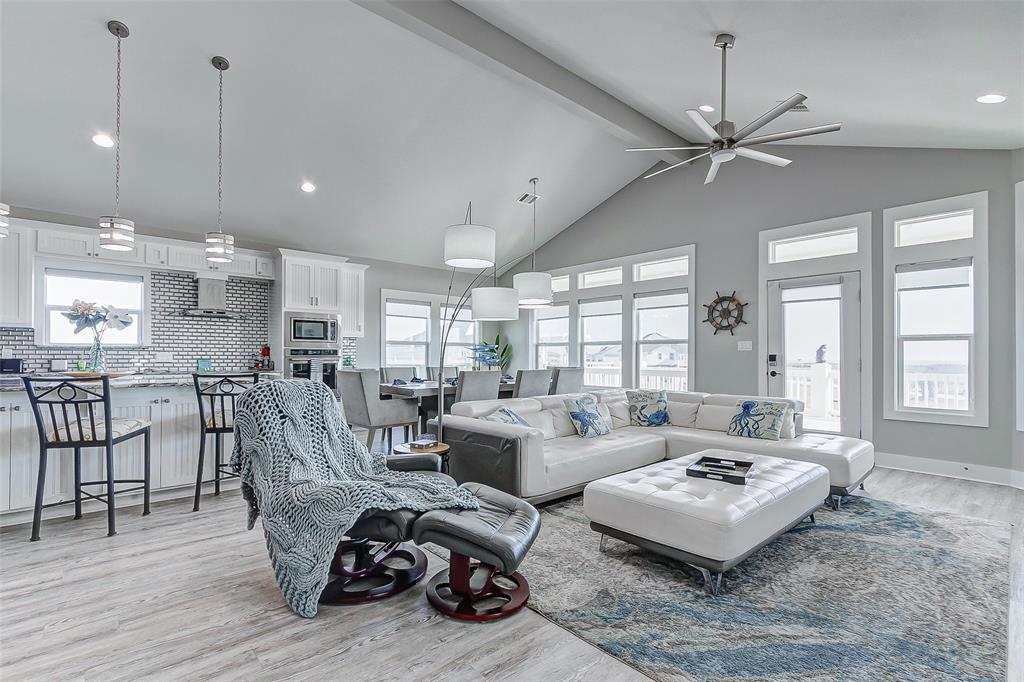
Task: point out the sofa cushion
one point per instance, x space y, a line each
572 461
504 415
589 423
647 408
757 419
481 408
686 397
541 420
714 417
682 414
618 411
562 424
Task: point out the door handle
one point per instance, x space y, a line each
166 400
16 408
773 373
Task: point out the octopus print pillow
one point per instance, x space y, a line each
586 418
648 408
758 419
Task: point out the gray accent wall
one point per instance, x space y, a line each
723 220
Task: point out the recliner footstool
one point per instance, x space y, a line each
498 535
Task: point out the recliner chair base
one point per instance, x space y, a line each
469 591
369 571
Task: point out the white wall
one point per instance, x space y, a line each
723 220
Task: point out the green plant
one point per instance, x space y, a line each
504 353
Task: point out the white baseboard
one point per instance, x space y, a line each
938 467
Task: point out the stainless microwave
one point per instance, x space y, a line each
306 330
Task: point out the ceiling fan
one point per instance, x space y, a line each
723 142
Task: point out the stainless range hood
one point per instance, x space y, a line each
212 300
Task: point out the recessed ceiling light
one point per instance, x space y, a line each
307 187
992 99
706 107
103 140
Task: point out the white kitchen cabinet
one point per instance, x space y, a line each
353 287
16 278
298 284
241 265
311 283
156 254
179 438
264 267
83 244
18 433
327 291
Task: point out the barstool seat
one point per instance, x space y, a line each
120 427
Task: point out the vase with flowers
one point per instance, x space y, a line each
99 319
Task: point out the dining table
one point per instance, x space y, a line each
428 389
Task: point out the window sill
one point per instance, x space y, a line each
936 417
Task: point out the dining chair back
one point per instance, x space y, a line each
531 382
363 406
567 380
478 386
449 373
389 374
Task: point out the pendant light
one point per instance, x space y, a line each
5 211
117 233
494 303
220 247
469 245
534 287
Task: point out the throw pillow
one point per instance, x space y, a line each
682 414
758 419
648 408
503 415
586 418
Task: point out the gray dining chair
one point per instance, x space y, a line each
449 373
389 374
478 386
360 396
531 382
566 380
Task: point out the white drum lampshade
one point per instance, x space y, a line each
534 288
220 247
495 304
116 234
469 246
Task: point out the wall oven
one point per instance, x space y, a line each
311 330
302 363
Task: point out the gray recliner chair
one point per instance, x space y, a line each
360 394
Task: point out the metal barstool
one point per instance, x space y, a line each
70 406
217 394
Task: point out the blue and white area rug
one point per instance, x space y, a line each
877 591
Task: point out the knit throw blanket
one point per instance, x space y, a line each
304 472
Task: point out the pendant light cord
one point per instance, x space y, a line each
220 150
533 254
117 133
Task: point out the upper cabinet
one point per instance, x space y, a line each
83 244
16 278
353 288
324 284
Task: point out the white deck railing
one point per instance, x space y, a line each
932 390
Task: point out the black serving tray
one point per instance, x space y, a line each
719 469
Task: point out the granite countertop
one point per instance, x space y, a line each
12 382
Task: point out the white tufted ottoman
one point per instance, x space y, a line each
708 524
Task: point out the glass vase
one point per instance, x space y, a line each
97 357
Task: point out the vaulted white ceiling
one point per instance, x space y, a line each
896 73
397 133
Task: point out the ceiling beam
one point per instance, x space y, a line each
458 30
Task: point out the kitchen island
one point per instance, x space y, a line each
166 400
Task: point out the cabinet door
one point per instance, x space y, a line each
264 267
5 456
186 258
59 243
352 301
241 265
24 460
179 439
129 456
298 284
156 254
16 279
327 292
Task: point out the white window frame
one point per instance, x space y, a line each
42 317
976 249
620 342
627 292
538 345
436 302
638 344
1018 212
411 300
859 262
441 323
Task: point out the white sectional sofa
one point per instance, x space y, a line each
546 459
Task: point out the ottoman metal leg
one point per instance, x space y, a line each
712 581
469 591
364 573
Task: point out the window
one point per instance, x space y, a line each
601 346
551 334
935 228
936 311
934 335
458 353
600 278
559 284
820 245
662 334
124 292
660 269
407 334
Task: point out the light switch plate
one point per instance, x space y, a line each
164 356
744 345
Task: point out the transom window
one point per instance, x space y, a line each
943 227
660 269
820 245
559 284
600 278
62 287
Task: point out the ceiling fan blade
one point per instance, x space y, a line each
761 156
713 171
789 134
664 149
710 134
676 165
769 116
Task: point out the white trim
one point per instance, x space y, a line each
892 257
1018 220
859 262
966 471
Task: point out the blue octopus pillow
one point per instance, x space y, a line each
503 415
584 415
758 419
648 408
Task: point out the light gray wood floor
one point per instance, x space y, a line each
178 595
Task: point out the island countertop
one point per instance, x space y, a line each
12 383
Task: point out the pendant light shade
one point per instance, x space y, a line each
117 233
534 288
495 304
469 246
5 211
220 247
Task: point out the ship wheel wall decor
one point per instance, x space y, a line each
725 313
